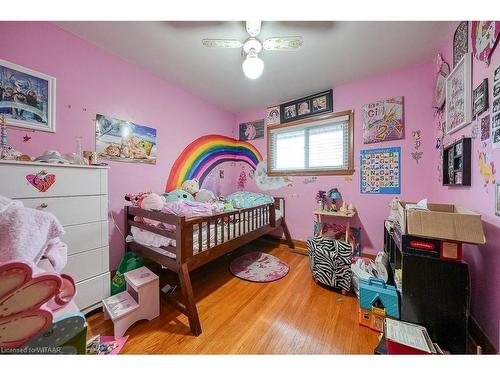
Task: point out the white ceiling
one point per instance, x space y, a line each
333 53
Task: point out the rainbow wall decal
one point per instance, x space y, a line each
205 153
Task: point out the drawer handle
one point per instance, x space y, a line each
43 205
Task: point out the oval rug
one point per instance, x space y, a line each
259 267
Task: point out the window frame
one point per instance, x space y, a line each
315 172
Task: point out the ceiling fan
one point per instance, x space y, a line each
253 66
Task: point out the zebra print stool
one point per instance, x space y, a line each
330 262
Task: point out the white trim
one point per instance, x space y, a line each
51 110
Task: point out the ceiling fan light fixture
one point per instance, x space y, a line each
252 44
253 66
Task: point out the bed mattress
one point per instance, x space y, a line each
148 238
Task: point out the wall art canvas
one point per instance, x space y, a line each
251 130
484 38
381 171
121 140
383 120
273 115
459 95
480 98
27 97
460 42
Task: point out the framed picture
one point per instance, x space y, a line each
484 37
273 115
480 98
121 140
251 130
308 106
380 171
497 198
289 112
496 75
458 95
496 120
27 97
304 108
496 105
440 84
485 128
460 42
383 120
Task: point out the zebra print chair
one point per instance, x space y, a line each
330 262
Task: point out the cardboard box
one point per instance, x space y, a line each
442 221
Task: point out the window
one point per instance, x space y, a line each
316 146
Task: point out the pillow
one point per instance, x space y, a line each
247 199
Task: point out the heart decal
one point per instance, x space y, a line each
41 181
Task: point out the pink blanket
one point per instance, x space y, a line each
188 209
28 235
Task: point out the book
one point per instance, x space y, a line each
407 338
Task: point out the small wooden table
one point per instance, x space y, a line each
348 215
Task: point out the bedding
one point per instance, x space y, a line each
147 238
248 199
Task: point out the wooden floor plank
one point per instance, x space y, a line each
293 315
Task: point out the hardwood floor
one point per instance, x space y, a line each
293 315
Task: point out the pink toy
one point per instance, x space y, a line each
152 202
140 301
21 298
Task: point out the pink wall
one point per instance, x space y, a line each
415 84
100 82
484 261
89 77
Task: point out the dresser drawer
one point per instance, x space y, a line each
73 210
83 237
68 181
92 291
88 264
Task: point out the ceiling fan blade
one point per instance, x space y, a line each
253 28
284 43
221 43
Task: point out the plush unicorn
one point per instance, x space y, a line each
486 169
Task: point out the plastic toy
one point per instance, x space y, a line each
376 301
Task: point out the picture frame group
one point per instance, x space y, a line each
308 106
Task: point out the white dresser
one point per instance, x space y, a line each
79 199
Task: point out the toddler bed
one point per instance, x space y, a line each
196 241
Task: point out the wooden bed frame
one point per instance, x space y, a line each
263 221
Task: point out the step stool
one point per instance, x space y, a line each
141 300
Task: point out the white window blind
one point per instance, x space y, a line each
321 145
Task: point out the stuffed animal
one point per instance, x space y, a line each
153 202
136 198
394 213
204 196
191 186
178 195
